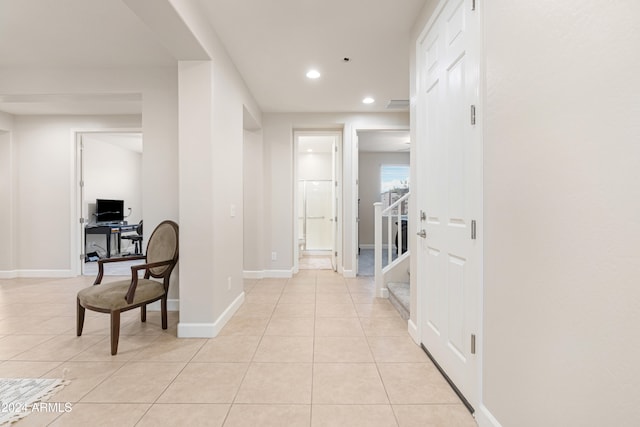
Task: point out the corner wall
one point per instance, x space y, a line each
212 103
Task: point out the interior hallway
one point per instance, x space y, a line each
315 350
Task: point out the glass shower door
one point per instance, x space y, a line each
317 216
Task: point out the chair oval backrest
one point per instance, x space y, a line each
163 246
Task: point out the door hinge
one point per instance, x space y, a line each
81 220
473 343
473 114
336 253
473 229
473 4
81 184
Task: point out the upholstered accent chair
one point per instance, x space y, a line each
124 295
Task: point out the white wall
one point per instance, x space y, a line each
561 207
279 178
369 190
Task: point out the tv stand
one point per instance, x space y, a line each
108 230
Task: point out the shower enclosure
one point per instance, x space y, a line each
315 223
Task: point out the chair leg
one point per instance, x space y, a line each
143 313
115 331
163 309
79 319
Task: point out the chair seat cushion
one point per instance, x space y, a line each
110 296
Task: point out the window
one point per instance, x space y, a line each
394 178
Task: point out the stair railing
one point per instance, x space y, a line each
393 211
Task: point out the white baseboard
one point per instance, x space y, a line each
248 274
413 331
278 274
383 293
172 305
317 253
367 246
54 274
485 418
268 274
210 330
350 274
8 274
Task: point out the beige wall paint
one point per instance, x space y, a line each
562 203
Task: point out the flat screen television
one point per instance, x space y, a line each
109 210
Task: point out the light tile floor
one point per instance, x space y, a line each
315 350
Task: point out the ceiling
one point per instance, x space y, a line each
273 45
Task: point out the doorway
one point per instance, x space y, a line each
316 205
378 149
109 172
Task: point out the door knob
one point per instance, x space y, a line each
422 234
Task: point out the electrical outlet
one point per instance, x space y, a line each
274 256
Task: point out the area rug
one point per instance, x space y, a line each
18 396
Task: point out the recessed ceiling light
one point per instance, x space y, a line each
368 100
309 150
313 74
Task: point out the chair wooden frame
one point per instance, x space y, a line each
164 274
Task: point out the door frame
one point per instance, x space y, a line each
415 330
77 228
337 172
355 184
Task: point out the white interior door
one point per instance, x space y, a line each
449 188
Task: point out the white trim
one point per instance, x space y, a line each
8 274
172 305
268 274
367 245
485 418
210 330
77 229
249 274
412 328
326 252
338 133
350 274
383 293
54 274
278 274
